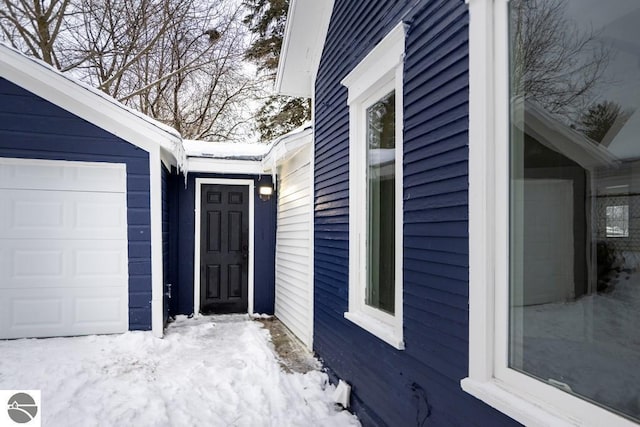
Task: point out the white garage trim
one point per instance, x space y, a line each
63 248
196 253
155 206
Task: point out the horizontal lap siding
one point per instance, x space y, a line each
293 241
31 127
390 386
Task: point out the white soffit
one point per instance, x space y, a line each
305 34
88 103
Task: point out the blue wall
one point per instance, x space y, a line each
264 244
31 127
421 383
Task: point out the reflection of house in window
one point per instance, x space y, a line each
557 207
617 218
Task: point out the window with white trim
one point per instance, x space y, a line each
375 190
554 300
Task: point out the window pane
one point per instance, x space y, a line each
617 221
381 120
575 197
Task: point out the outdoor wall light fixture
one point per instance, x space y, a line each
265 192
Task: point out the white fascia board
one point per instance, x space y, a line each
168 159
86 103
226 166
305 33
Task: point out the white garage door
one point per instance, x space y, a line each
63 248
545 221
294 246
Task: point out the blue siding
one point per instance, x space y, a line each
31 127
422 382
264 245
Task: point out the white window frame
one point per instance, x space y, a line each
378 74
527 400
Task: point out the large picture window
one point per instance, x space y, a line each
574 295
375 190
554 202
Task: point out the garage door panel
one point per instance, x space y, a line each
36 214
34 264
55 312
97 311
100 264
66 263
36 310
107 216
59 175
30 214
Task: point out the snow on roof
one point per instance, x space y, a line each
299 132
238 150
133 126
225 150
69 93
546 129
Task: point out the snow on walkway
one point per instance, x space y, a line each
207 371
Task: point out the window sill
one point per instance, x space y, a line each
520 409
532 412
380 329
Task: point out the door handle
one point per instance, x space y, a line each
245 251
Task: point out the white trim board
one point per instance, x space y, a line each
157 273
224 166
196 255
378 74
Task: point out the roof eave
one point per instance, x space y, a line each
305 33
287 146
84 102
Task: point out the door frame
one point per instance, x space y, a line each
198 217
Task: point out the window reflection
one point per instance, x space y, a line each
575 197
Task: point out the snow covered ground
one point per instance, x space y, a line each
207 371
